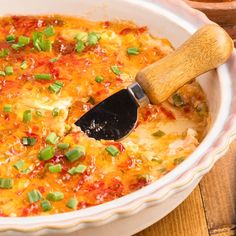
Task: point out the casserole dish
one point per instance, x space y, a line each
110 218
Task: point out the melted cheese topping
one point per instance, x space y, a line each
165 134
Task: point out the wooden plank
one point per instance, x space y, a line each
186 220
218 190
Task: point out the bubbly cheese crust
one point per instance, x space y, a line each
49 78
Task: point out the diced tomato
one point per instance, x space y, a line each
136 31
106 24
138 183
128 164
169 114
3 215
41 189
31 209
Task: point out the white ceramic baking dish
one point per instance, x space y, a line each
125 216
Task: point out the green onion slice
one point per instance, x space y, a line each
46 153
75 154
24 65
4 53
77 170
158 134
46 205
56 87
72 203
23 40
55 168
99 79
112 150
7 108
10 38
63 146
80 46
9 70
178 100
55 59
93 38
19 165
49 31
55 112
52 138
27 116
133 51
28 141
43 76
116 70
6 183
34 196
55 196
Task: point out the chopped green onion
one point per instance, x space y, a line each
40 43
91 100
49 31
158 160
77 170
7 108
11 38
201 109
80 46
46 153
99 79
55 168
81 36
178 100
72 203
112 150
24 65
2 73
178 160
93 38
46 45
116 70
55 196
55 59
133 51
158 134
28 141
27 116
38 113
23 40
34 196
9 70
4 53
19 164
56 87
46 205
63 146
27 170
17 46
52 138
75 154
6 183
55 112
43 76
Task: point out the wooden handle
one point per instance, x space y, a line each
208 48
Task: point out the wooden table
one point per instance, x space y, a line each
210 210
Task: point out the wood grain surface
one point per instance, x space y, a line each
210 210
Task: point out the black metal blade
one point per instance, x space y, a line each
112 119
